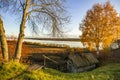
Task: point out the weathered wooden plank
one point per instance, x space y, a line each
50 59
34 67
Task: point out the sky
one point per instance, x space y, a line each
76 9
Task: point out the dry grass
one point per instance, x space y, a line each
28 49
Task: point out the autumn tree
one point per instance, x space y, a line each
3 42
51 14
99 26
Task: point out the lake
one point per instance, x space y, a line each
70 43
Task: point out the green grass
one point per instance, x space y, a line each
17 71
10 70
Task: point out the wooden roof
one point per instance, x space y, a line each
84 59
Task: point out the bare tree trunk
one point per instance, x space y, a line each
20 40
18 50
98 51
3 42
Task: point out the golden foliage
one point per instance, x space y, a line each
100 26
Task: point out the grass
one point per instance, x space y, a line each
10 70
18 71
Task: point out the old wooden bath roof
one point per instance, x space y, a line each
84 59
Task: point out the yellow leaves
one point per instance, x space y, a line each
99 25
108 41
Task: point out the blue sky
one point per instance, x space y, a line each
76 8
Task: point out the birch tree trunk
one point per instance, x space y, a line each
3 41
18 50
98 51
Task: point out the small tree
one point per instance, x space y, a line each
3 41
99 26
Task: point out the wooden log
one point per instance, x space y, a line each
50 59
34 67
